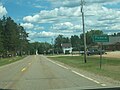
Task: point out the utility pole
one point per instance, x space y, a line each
85 53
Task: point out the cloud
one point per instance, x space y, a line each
27 25
3 11
100 17
31 18
39 28
42 34
51 16
66 27
46 34
76 3
62 26
115 27
65 3
66 18
38 6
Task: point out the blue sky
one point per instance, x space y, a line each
45 19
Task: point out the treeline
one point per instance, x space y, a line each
13 38
77 41
40 48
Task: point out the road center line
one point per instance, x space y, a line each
23 69
79 74
29 63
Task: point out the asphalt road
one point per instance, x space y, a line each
39 73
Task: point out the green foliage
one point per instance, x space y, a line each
116 34
89 36
1 44
5 61
13 38
75 41
60 40
42 48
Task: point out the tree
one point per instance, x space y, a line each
75 41
1 40
42 48
118 34
58 42
12 37
23 41
89 36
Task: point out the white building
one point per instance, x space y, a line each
67 48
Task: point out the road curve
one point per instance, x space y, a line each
39 73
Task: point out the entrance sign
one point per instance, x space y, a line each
101 38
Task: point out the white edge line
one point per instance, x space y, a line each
58 64
79 74
103 85
62 66
85 77
88 78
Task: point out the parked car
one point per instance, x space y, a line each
93 52
96 52
88 52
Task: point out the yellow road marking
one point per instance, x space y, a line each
29 63
23 69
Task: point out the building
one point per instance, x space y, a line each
113 44
67 48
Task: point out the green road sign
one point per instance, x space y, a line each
101 38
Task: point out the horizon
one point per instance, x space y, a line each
46 19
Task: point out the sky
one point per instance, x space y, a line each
46 19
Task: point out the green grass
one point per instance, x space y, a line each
4 61
110 66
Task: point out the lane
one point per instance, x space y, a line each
38 73
9 73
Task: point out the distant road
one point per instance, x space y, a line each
39 73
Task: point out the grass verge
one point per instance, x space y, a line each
4 61
110 66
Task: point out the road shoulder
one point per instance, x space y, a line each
102 79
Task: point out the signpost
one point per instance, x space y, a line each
101 39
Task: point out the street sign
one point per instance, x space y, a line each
101 38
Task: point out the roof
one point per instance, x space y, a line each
112 40
66 45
